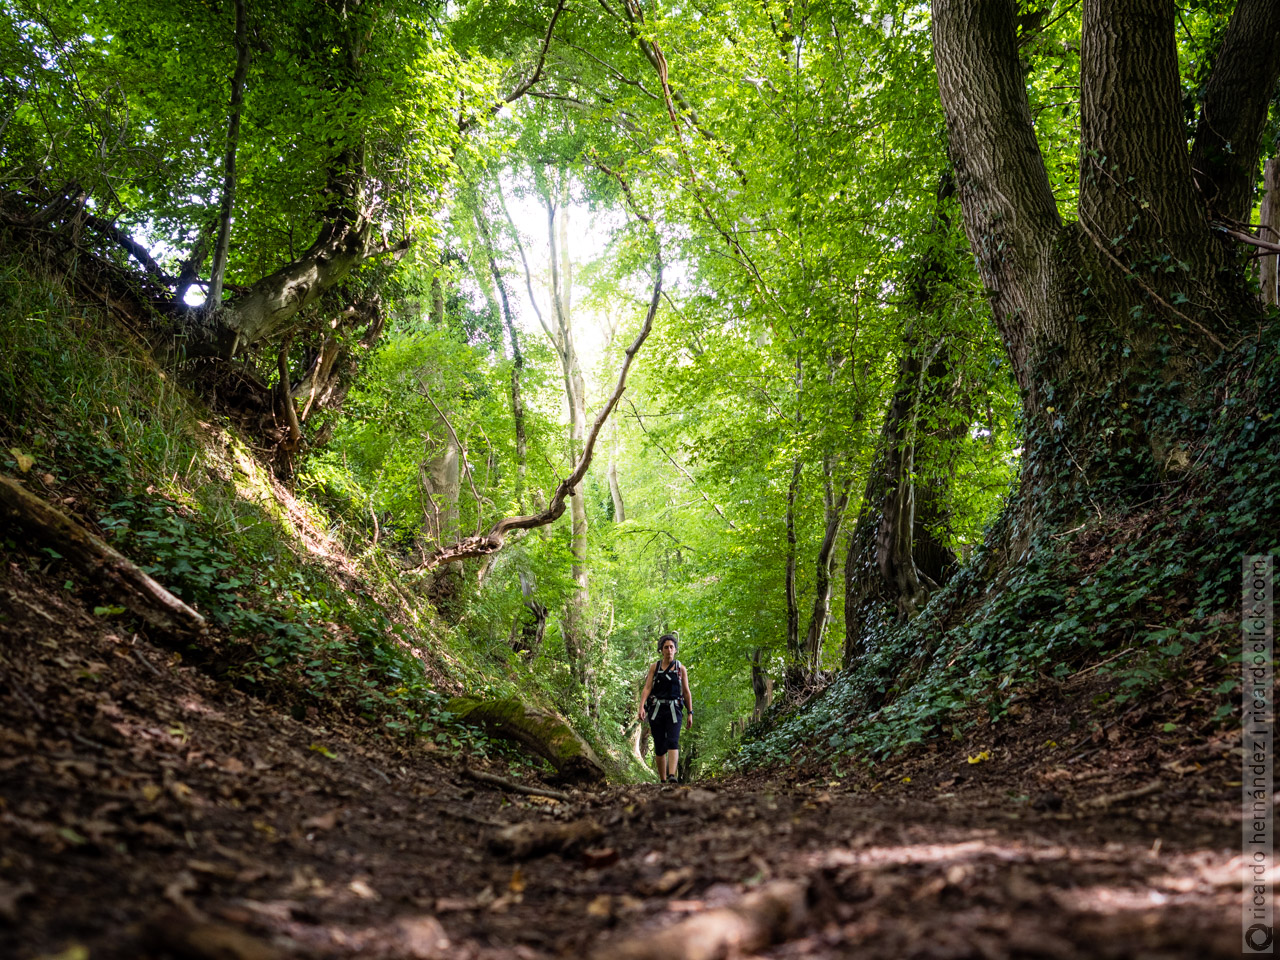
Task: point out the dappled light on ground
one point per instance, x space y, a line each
149 813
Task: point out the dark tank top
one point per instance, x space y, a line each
666 683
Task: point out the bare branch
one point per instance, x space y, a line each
683 472
286 398
491 542
524 260
1151 293
523 86
136 250
220 248
1242 237
618 74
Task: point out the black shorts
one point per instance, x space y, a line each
666 732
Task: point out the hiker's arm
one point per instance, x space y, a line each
688 697
644 694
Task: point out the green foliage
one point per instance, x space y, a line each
132 103
103 424
797 185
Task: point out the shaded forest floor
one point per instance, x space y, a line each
148 811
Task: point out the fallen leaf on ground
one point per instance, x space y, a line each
422 938
668 882
175 890
10 895
325 821
76 951
179 936
517 884
598 857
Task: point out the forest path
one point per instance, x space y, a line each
147 811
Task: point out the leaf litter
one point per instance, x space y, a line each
148 811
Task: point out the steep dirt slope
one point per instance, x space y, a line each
147 811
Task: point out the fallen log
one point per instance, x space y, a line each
540 731
108 570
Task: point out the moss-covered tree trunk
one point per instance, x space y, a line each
540 731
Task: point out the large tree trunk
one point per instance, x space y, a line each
895 556
346 239
441 485
1139 294
794 674
615 488
789 576
540 731
331 369
761 685
1224 160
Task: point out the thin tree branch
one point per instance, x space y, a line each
491 542
135 249
514 787
1243 237
618 74
523 86
220 248
286 397
1151 293
517 358
524 260
683 472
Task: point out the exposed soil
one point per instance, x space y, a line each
147 811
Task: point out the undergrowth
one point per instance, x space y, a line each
90 422
1146 594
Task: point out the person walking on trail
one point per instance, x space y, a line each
664 700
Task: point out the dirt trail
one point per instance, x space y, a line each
149 812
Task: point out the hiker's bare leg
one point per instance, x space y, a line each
660 766
673 763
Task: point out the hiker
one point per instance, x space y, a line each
664 699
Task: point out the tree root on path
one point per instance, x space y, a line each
774 912
1110 799
524 840
514 787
